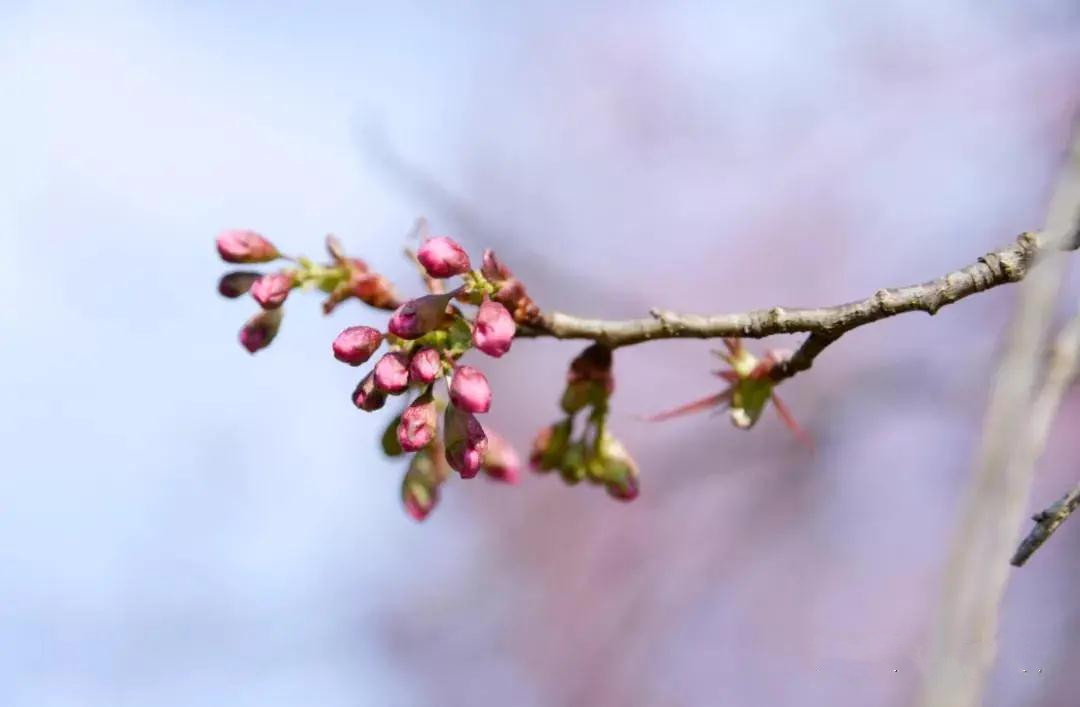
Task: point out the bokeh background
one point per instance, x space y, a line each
184 524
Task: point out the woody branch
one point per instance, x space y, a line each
824 324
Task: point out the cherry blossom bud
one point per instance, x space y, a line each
494 329
356 344
589 380
261 329
367 286
619 472
469 390
418 423
573 467
334 248
271 290
237 283
464 440
420 486
366 396
240 246
549 447
425 366
493 269
625 489
373 290
501 461
443 257
593 364
509 291
577 396
392 373
419 316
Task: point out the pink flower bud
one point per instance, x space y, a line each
589 380
494 329
443 257
425 366
418 423
469 390
420 487
618 470
366 396
260 330
464 440
236 283
501 461
419 316
240 246
625 489
271 290
418 498
392 373
356 344
493 269
509 291
549 447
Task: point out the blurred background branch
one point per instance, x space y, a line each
1046 524
1062 372
965 641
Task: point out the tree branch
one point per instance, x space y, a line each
1047 522
1063 371
824 324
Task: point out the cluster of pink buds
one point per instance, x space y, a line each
341 279
425 338
595 455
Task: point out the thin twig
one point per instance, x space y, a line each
1047 522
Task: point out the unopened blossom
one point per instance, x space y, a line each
501 461
494 329
425 366
508 289
589 380
271 290
618 471
443 257
469 390
626 489
419 316
356 344
420 486
392 373
260 330
366 396
237 283
549 447
493 269
464 441
369 287
418 423
574 466
242 246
